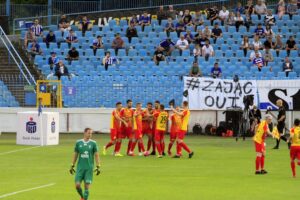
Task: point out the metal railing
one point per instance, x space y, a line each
16 58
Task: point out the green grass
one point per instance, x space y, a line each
221 169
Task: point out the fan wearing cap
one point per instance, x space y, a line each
53 60
97 44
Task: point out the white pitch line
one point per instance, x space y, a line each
24 149
26 190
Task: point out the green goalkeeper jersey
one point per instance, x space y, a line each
86 152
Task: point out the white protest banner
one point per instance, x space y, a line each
217 94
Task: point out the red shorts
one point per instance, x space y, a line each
126 132
159 135
114 134
146 128
259 148
181 134
295 153
173 135
138 134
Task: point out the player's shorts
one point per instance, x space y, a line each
146 128
159 135
259 148
280 127
85 175
295 153
138 134
181 134
127 132
114 134
173 135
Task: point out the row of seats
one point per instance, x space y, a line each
6 98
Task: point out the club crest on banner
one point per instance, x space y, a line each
31 126
53 126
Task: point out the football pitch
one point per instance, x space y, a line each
221 169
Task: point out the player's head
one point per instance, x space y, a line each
279 102
138 106
149 105
129 103
296 122
185 104
161 107
156 104
268 118
118 105
88 133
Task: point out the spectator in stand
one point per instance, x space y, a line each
212 14
189 36
239 20
249 7
29 37
158 56
280 8
292 8
269 44
223 15
161 14
64 24
171 12
260 9
71 38
206 32
200 39
167 46
182 44
260 31
253 54
270 19
37 29
207 50
97 44
257 43
187 18
109 60
245 46
85 25
169 27
61 70
269 32
248 20
134 20
197 52
278 46
230 21
35 49
216 71
258 61
131 32
290 45
239 9
268 57
198 19
195 70
118 43
144 20
73 54
180 27
287 66
50 37
216 32
53 60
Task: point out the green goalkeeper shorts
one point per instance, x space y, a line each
85 175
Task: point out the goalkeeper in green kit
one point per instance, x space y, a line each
86 151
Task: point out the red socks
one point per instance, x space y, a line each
162 146
185 147
170 146
178 149
149 144
262 162
141 146
257 163
132 146
293 166
117 147
158 146
109 145
129 146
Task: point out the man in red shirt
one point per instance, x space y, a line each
148 125
127 115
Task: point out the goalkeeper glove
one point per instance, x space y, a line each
97 170
72 170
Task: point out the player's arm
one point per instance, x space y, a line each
120 119
281 118
97 160
74 160
177 112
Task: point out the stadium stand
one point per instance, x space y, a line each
136 69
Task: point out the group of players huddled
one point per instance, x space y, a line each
135 123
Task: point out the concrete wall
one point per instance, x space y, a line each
76 119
